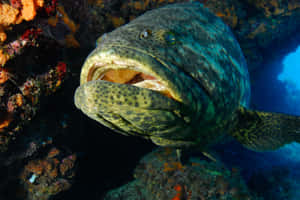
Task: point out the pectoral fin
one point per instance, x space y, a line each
263 131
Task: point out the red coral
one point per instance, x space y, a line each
16 4
61 69
50 9
31 34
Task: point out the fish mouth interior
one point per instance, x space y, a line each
131 77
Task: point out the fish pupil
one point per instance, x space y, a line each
145 33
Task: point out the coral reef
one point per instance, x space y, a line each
258 25
159 175
19 107
38 57
32 68
16 12
15 48
28 73
46 177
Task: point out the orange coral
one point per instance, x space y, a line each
45 176
138 5
39 3
66 165
4 76
53 173
172 166
14 102
46 166
144 4
270 7
35 167
29 8
19 100
229 16
4 124
53 152
182 193
4 57
28 12
10 15
2 35
117 21
99 3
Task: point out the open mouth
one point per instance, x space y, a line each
129 76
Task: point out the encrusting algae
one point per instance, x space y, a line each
10 15
195 181
45 177
20 98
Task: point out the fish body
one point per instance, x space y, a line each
175 75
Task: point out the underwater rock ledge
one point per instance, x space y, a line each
260 26
159 175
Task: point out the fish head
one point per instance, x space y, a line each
131 89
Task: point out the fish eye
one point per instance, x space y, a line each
145 33
170 37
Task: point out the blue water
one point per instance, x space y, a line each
290 77
291 71
275 88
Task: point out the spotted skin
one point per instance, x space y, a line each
194 54
264 131
133 109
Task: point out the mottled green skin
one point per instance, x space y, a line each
204 68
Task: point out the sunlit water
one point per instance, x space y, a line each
290 76
275 88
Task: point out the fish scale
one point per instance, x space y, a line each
193 57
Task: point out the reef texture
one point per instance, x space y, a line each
259 25
43 178
33 36
30 63
159 175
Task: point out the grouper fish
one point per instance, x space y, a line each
176 75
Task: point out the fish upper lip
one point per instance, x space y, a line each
94 61
97 60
